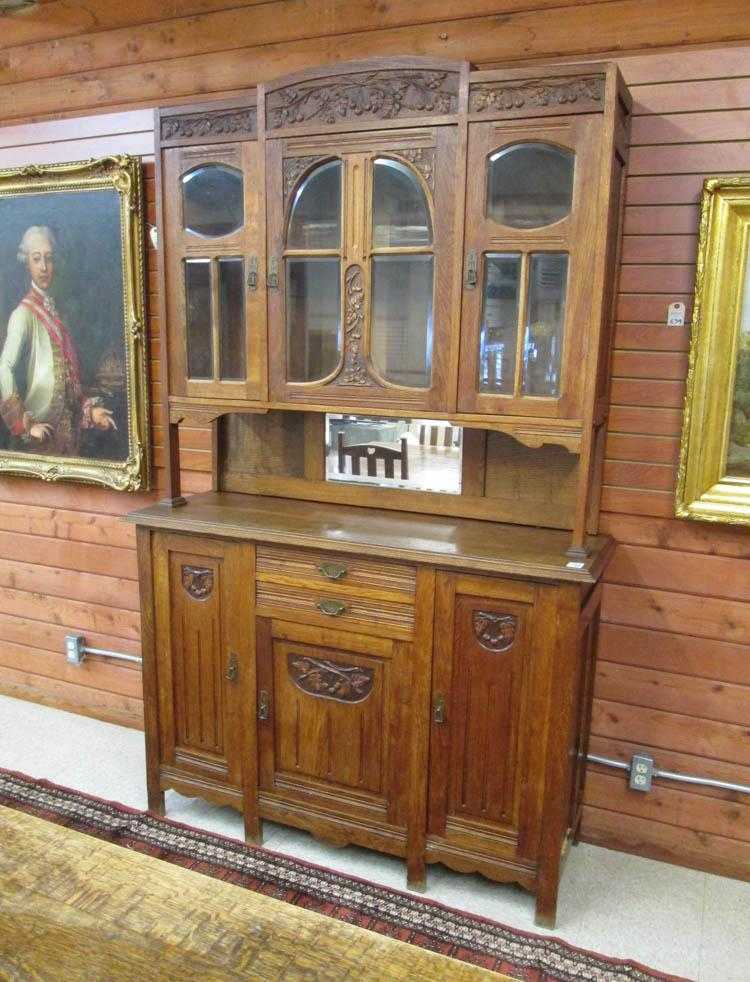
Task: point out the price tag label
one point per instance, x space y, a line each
676 314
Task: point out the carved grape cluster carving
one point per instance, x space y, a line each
379 94
499 96
354 370
495 632
198 581
331 680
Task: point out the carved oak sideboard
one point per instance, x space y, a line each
400 657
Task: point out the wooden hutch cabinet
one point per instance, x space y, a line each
378 626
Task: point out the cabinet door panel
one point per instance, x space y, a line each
214 241
480 731
203 644
530 221
376 212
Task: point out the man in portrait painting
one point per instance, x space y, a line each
42 402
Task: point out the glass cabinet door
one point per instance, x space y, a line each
360 248
526 266
214 257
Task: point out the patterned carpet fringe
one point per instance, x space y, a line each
422 922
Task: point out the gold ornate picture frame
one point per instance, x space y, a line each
713 481
73 369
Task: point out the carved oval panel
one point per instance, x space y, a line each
198 581
330 680
495 632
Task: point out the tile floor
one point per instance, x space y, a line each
677 920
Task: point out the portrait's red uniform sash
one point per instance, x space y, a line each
59 336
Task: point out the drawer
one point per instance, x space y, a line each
309 606
337 574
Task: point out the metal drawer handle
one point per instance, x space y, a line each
333 571
333 608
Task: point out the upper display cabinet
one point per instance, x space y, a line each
398 236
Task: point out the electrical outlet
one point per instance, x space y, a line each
641 772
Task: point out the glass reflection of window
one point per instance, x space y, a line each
530 185
545 317
313 276
212 200
402 276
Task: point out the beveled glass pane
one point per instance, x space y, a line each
530 185
198 318
401 343
545 319
212 200
498 336
231 318
315 221
738 451
313 318
400 215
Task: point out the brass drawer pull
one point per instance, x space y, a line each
333 571
333 608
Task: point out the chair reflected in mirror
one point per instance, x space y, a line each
372 453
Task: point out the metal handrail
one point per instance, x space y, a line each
76 651
706 782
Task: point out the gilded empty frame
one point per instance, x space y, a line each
714 474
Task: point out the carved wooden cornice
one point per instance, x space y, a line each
204 125
504 96
364 95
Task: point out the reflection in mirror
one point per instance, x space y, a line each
212 203
402 328
499 331
417 454
231 317
198 318
315 220
313 318
400 216
545 318
738 452
530 185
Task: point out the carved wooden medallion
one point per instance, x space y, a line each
233 122
198 581
495 632
293 168
509 96
354 370
364 95
330 680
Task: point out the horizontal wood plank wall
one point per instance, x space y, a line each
674 670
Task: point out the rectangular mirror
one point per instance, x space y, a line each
418 454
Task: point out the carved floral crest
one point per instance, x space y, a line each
234 122
496 632
198 581
363 95
354 370
331 680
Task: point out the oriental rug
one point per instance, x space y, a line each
400 916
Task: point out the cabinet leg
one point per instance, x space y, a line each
156 801
253 830
416 873
546 903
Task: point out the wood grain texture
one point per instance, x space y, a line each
150 919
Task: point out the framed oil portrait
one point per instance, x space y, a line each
713 481
73 383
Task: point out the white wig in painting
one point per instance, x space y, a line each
34 231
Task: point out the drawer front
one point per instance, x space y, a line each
347 575
319 607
